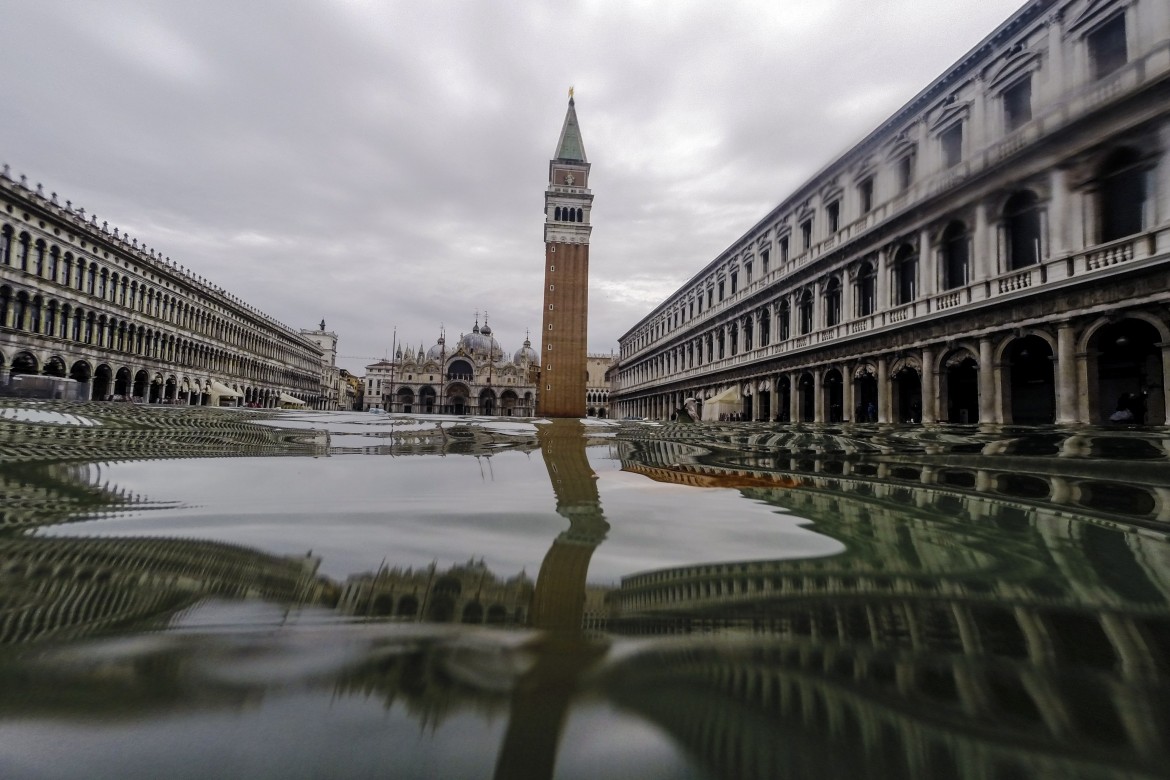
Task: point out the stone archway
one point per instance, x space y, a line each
906 386
122 383
103 380
961 374
834 396
807 389
1125 372
141 385
865 394
1030 381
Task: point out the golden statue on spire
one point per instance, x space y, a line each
570 92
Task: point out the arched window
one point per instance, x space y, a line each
806 312
955 256
1122 195
905 274
580 215
784 318
557 214
765 328
1021 222
833 302
866 290
6 245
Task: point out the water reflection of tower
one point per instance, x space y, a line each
559 600
541 699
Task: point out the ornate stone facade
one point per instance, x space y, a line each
81 302
472 376
995 251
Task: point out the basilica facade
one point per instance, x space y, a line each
996 251
473 375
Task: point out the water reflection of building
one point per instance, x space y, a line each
966 632
465 593
66 588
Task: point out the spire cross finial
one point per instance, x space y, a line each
570 92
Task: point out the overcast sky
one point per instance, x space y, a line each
382 164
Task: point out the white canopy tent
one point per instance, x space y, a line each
288 400
727 402
220 391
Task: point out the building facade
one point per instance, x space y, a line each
567 205
472 376
80 301
334 391
996 251
597 384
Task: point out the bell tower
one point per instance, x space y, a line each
567 203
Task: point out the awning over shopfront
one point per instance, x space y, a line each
285 398
222 390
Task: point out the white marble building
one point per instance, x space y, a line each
998 250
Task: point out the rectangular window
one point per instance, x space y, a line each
1107 51
734 282
710 299
1017 104
865 194
906 172
834 212
784 250
951 143
747 271
720 290
806 234
764 262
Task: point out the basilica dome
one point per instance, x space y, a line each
481 342
526 354
439 351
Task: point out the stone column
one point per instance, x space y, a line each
794 396
1058 213
929 387
1165 388
1066 374
847 410
885 391
927 266
818 396
988 413
883 280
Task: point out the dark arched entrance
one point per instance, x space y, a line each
865 391
784 399
122 383
55 367
807 398
81 373
103 379
487 402
24 363
140 384
1129 371
834 396
962 378
907 387
1032 382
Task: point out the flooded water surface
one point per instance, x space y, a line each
194 592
